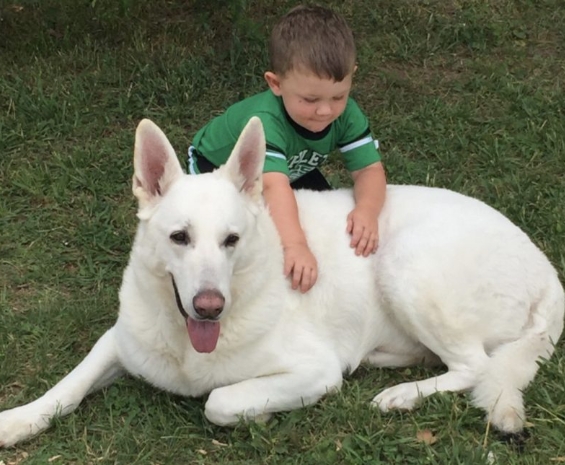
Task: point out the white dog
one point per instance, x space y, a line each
205 307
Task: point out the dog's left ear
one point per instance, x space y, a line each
245 164
156 165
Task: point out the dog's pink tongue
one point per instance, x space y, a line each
203 334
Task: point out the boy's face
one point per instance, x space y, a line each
312 102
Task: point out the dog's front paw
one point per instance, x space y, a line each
403 397
223 409
20 423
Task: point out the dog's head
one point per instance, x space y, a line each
193 227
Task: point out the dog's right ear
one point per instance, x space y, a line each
245 164
156 165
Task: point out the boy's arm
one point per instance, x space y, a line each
298 259
362 222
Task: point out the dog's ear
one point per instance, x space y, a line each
245 165
156 165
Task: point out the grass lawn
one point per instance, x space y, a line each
464 94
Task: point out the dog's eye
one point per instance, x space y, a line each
180 237
231 240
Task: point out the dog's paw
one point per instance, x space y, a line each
222 409
403 397
19 424
508 420
262 418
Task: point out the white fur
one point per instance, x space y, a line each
452 281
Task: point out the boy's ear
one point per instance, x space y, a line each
274 82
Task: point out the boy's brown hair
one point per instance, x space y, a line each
313 39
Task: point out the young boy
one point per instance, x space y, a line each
306 114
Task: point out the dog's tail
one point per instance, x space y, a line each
513 365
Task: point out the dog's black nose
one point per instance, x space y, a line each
209 303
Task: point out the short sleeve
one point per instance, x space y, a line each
275 160
356 143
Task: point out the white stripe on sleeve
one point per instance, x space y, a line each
357 143
275 155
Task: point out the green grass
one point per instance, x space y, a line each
464 94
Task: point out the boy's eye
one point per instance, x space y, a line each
337 99
310 100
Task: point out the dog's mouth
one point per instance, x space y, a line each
204 330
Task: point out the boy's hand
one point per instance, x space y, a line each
363 226
362 222
302 265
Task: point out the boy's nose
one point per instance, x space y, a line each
323 109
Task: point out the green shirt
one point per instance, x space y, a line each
291 149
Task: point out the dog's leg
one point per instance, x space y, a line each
406 395
100 367
464 363
257 398
382 359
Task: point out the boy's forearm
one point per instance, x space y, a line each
283 208
370 187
